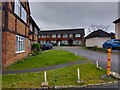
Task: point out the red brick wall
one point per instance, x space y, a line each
15 25
9 55
66 39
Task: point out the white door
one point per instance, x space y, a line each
58 43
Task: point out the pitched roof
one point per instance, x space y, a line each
117 21
98 33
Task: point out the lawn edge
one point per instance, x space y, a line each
82 86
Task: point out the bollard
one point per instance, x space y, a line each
76 54
109 61
97 64
79 79
78 74
45 76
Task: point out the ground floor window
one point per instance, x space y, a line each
43 42
54 42
77 42
64 42
20 45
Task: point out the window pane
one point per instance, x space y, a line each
54 36
17 7
65 36
23 14
77 35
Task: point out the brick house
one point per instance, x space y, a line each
16 36
34 31
117 28
63 37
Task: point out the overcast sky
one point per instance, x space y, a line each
55 15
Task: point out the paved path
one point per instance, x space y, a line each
44 68
94 56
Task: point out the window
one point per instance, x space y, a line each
23 14
20 44
70 35
65 36
48 36
20 11
17 7
54 36
30 27
59 36
36 31
64 42
77 35
43 42
54 42
77 42
44 36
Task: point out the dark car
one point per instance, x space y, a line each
47 46
113 44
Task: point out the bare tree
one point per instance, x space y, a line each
96 27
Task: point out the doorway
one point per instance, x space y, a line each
70 42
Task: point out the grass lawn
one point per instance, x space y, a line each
62 76
46 58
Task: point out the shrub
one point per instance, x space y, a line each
36 47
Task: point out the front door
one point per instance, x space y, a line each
58 43
70 42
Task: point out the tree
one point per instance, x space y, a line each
96 27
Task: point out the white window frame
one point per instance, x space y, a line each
77 35
65 42
54 42
20 11
77 42
20 44
31 27
48 36
65 35
36 31
43 36
70 35
59 35
53 35
17 7
23 14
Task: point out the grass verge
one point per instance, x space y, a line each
46 58
62 76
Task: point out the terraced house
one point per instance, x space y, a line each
71 37
17 36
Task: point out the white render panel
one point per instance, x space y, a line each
117 30
97 41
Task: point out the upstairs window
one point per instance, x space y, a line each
48 36
20 11
59 36
30 27
44 36
77 35
36 31
65 36
54 36
17 7
23 14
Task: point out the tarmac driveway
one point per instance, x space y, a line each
94 56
